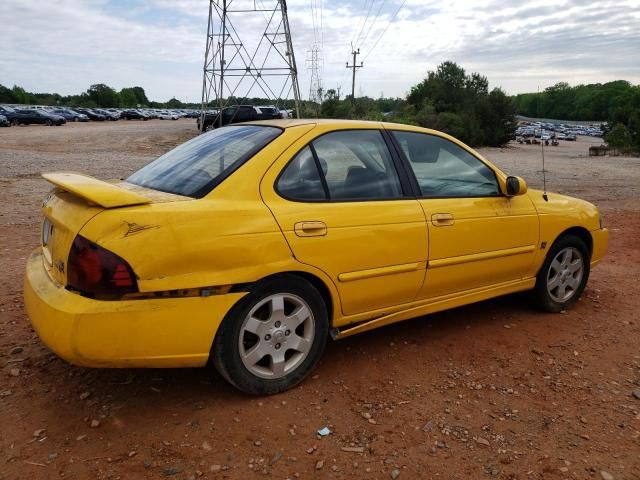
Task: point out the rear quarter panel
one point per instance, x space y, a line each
228 237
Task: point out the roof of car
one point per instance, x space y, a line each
294 122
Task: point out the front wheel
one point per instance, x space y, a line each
273 337
564 274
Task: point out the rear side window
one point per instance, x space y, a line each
194 168
300 180
349 165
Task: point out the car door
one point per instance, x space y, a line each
340 202
478 237
25 116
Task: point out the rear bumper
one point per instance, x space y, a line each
600 243
167 332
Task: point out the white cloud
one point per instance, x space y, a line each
67 45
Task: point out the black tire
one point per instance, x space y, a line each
225 351
49 123
15 123
543 297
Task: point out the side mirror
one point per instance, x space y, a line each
515 186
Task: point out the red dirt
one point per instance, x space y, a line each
495 389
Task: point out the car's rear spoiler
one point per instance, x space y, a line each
96 191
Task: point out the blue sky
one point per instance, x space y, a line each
67 45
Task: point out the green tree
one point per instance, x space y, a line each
618 137
133 97
174 103
459 104
7 95
103 95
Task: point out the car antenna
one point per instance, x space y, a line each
544 171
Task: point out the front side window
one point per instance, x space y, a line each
194 168
349 165
443 169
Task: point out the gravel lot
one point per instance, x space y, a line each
493 390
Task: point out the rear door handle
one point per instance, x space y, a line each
310 229
442 219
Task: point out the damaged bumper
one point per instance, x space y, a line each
163 332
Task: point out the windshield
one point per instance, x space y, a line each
194 168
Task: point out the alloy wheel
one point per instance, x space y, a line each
565 274
276 336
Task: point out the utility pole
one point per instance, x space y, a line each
353 77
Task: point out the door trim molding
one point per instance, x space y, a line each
433 305
476 257
379 272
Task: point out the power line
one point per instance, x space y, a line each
365 22
375 19
385 29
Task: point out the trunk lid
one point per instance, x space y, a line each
104 194
75 201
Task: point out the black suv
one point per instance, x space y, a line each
233 114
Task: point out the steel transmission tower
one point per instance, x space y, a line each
315 85
260 64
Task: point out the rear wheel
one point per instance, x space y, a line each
49 123
15 123
273 337
564 274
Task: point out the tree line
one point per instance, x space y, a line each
617 103
448 99
99 95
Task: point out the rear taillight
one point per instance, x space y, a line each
96 272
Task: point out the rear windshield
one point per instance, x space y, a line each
194 168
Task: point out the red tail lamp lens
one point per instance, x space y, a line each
96 272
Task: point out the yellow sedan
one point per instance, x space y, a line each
249 245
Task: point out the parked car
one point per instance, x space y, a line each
249 245
5 109
269 112
95 116
114 112
233 114
27 116
150 114
133 115
107 114
4 122
165 115
70 115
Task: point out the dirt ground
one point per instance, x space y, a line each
492 390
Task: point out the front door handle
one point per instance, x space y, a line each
310 229
442 219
